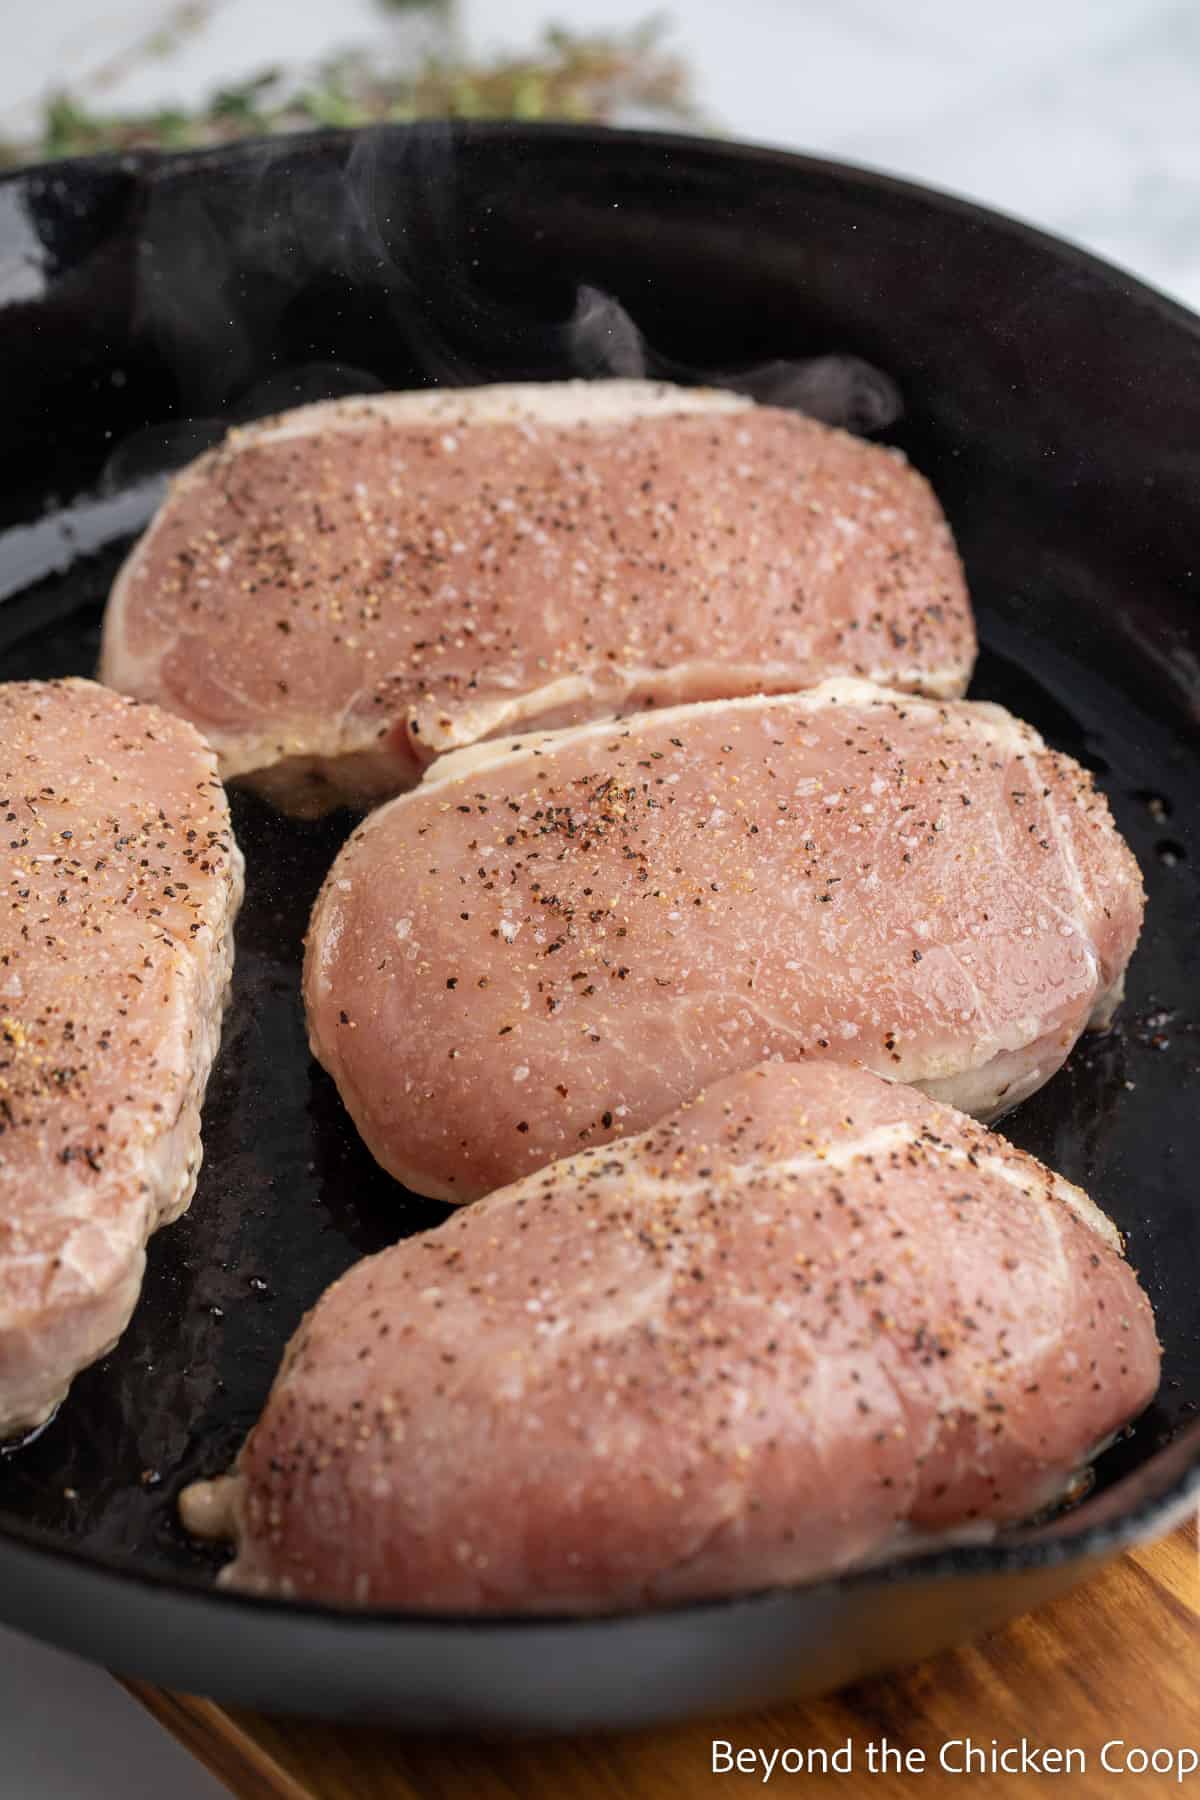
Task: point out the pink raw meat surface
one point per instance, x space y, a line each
119 881
549 945
338 595
811 1319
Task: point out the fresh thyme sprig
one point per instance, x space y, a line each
594 76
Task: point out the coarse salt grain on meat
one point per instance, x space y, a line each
338 595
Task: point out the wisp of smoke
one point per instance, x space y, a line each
602 339
226 269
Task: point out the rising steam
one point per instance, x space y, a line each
602 339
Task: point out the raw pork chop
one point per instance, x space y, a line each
802 1322
546 946
336 596
120 880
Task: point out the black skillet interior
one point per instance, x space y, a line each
1054 404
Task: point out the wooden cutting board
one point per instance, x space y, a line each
1118 1658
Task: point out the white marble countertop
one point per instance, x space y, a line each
1082 116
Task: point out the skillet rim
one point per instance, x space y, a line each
148 163
1146 1519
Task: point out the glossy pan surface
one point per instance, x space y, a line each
1054 404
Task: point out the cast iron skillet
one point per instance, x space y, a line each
1054 403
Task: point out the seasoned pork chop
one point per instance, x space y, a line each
120 880
804 1322
338 595
554 943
